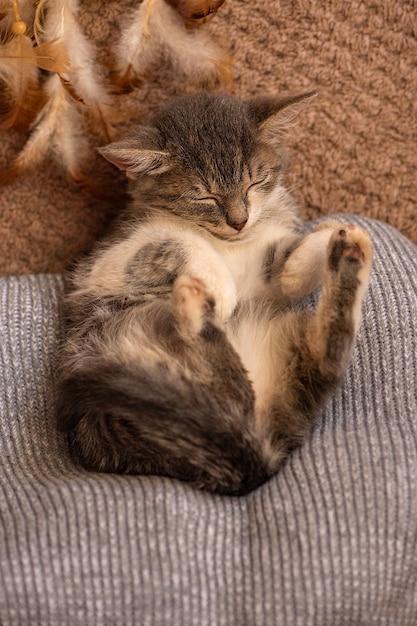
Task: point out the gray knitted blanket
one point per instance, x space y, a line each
330 541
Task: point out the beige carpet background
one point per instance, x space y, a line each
354 150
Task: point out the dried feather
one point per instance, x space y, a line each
20 98
57 20
52 56
156 29
127 81
70 90
21 95
135 53
194 53
19 112
59 126
39 21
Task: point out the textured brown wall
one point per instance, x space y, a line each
354 150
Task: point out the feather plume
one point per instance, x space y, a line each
18 76
56 21
59 127
51 56
20 95
20 61
72 95
156 29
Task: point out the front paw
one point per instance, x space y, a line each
222 289
218 281
226 300
303 270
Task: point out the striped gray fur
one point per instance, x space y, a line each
330 541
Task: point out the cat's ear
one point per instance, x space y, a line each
137 155
274 115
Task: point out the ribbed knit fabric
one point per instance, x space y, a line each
330 541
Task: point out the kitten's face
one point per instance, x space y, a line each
225 203
213 160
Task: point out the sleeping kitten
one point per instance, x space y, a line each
188 353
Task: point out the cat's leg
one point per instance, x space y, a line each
217 364
346 278
192 304
315 347
304 268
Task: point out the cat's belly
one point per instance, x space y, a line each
261 344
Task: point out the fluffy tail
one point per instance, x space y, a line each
124 420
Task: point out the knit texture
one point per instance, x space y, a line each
330 540
353 150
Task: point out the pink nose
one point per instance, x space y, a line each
238 226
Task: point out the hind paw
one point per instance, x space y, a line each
192 303
352 244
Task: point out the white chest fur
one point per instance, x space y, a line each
245 259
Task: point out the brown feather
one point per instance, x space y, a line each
27 160
20 112
99 123
224 72
70 90
55 128
52 56
21 96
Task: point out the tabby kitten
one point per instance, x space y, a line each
188 353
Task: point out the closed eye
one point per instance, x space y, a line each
259 182
262 184
208 200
